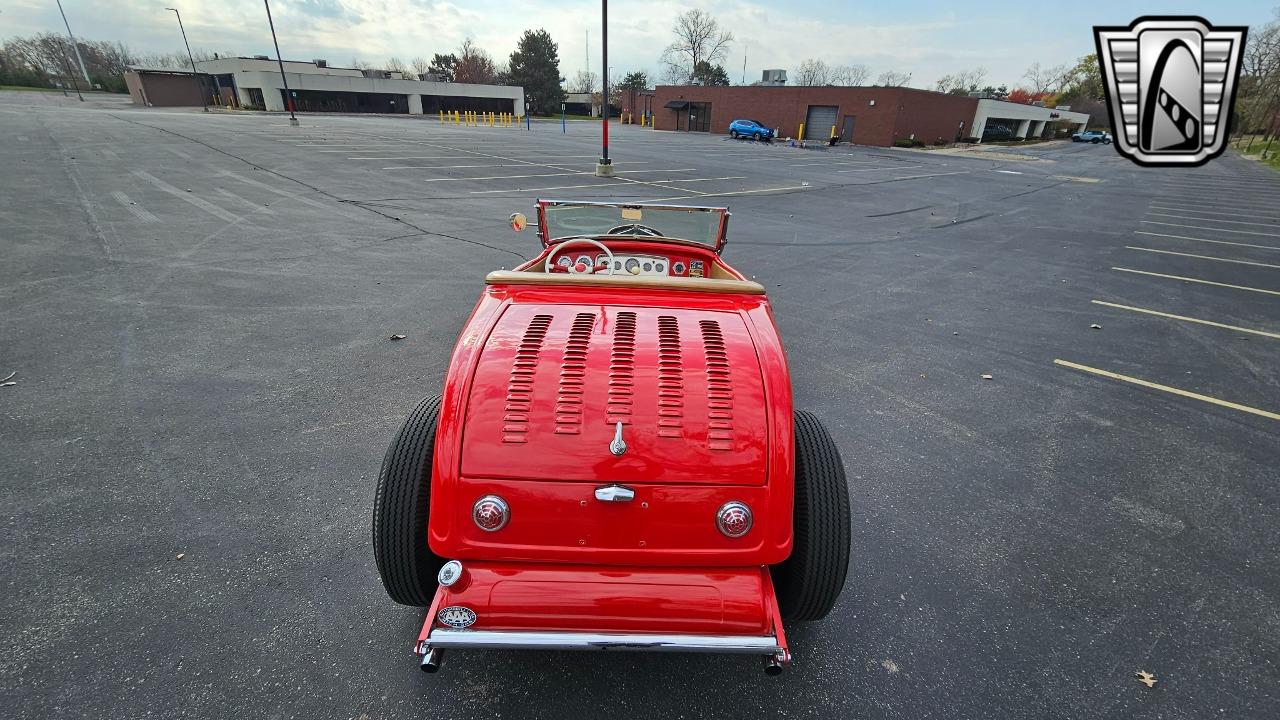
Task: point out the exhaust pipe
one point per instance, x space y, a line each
431 660
772 665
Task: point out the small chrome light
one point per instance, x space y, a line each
490 513
734 519
450 573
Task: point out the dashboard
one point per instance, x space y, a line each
632 264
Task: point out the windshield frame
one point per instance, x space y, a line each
547 240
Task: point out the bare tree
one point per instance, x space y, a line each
394 64
1047 79
964 81
420 65
699 39
850 75
584 82
892 78
813 72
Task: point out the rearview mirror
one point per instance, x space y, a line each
519 222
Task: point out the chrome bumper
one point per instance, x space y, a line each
522 640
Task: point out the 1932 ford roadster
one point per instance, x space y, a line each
614 462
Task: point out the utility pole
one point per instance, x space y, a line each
288 100
195 72
604 168
75 47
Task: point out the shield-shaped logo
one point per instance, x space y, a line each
1170 85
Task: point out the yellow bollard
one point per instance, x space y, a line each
833 131
441 116
800 134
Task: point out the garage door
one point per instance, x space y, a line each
818 124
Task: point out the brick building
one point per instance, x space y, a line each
862 115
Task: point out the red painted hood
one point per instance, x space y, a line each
554 380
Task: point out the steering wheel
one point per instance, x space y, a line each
549 266
634 229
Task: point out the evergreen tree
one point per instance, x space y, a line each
535 66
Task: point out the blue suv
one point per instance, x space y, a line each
750 129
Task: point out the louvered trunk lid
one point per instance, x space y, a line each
554 380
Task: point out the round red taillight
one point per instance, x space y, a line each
734 519
490 513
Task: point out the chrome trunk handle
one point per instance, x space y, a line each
615 493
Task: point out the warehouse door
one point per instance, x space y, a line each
819 121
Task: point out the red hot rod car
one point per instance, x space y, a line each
615 462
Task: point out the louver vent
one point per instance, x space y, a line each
670 382
719 387
622 368
515 419
572 370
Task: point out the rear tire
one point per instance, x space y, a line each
809 582
401 508
733 134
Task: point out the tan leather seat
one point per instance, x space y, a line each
708 285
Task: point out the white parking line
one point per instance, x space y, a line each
252 205
1202 219
460 167
455 157
834 162
1211 212
331 207
882 168
1168 389
190 198
1183 201
1196 280
1201 257
736 192
913 177
137 210
604 184
1184 318
1206 240
562 174
1202 227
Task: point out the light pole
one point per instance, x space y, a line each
604 168
293 119
75 47
195 72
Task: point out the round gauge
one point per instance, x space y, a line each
678 268
648 266
584 260
564 261
659 267
617 264
633 266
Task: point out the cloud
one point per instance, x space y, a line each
770 36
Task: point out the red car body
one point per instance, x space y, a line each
549 370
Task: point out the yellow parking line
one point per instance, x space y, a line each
1166 388
1184 318
1201 257
1196 280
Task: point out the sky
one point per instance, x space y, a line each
926 38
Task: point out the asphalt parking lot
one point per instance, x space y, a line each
197 309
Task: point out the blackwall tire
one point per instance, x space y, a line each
809 582
733 134
401 504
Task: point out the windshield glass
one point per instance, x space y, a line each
700 225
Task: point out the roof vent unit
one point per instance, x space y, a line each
1038 103
429 77
321 62
261 57
376 74
774 77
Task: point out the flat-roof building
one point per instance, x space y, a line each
255 83
861 115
